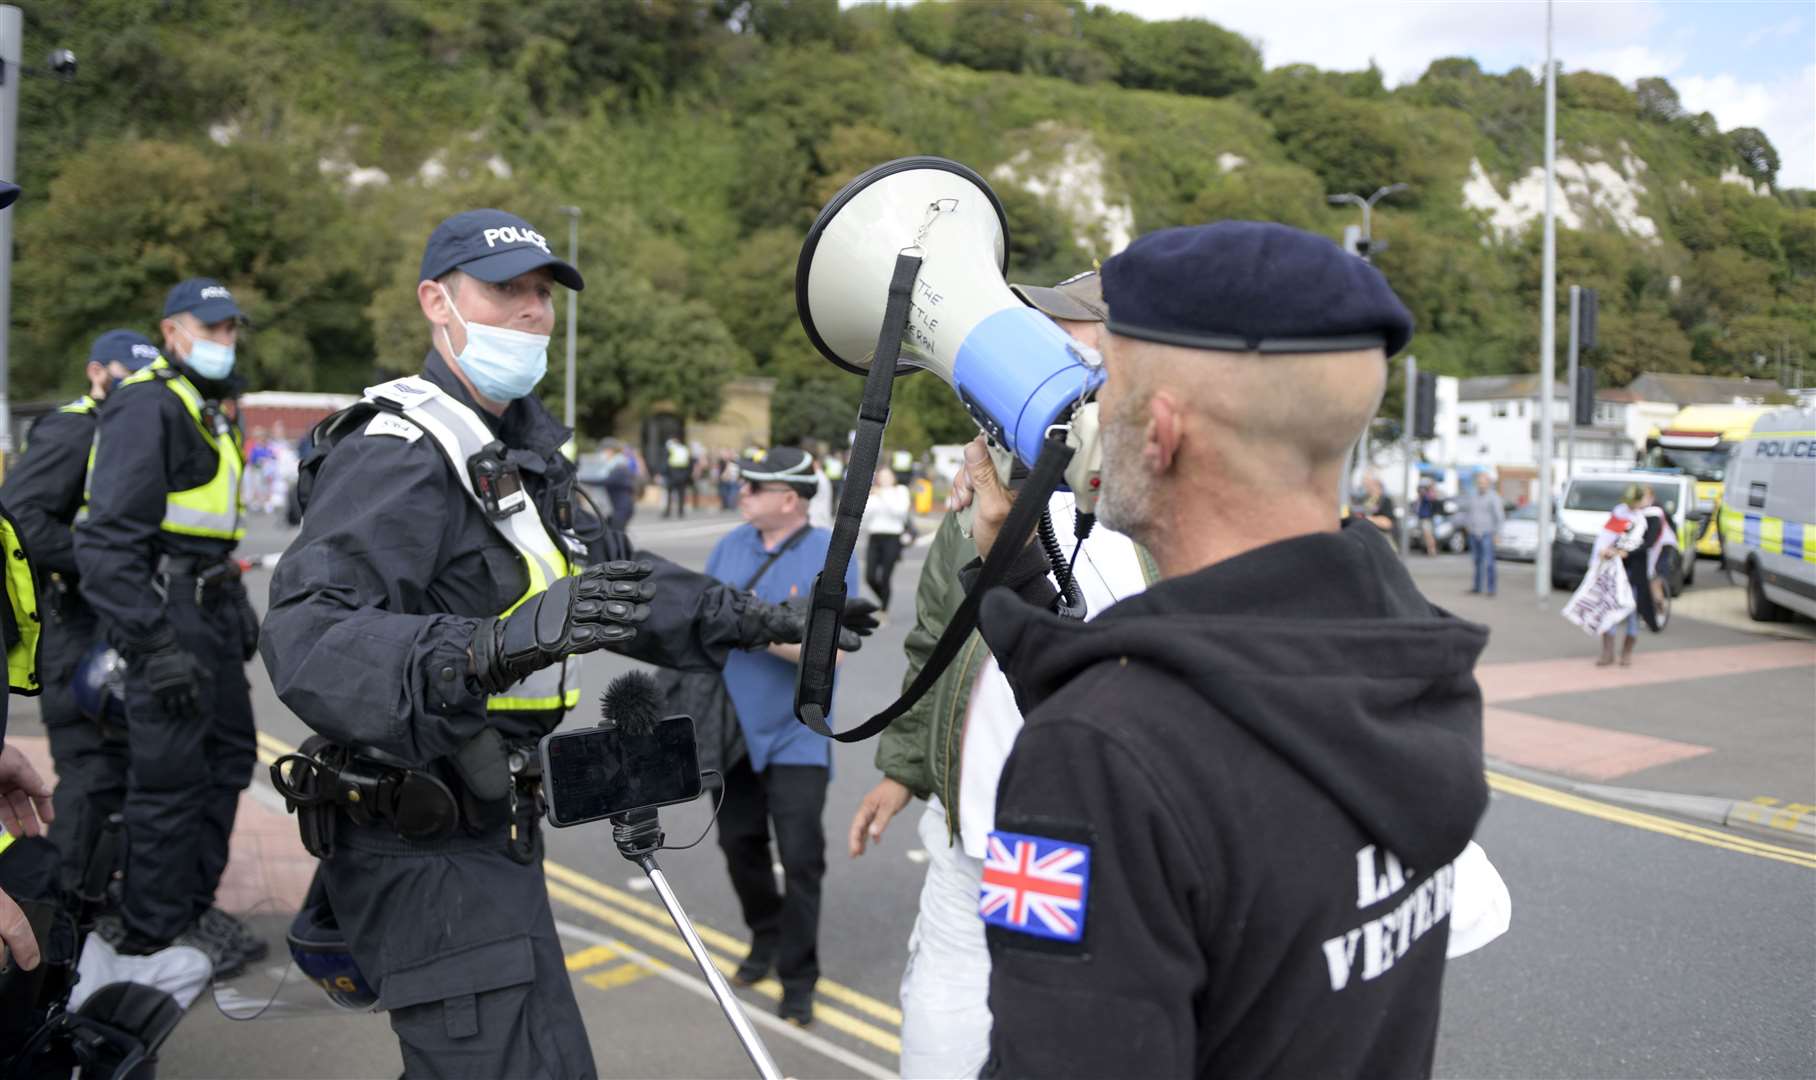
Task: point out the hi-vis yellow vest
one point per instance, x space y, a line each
22 597
215 509
460 434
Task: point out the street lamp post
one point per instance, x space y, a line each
573 310
1541 563
1368 206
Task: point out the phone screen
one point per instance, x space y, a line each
595 773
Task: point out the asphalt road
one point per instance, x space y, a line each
1633 952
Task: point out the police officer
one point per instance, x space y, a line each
155 559
20 784
426 621
1225 839
45 491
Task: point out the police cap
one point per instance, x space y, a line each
8 193
205 298
789 465
1079 298
128 347
493 246
1251 286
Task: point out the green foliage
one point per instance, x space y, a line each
699 138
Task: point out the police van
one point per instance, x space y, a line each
1768 515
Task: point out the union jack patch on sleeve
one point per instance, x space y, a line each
1035 885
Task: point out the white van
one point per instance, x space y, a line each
1585 505
1768 515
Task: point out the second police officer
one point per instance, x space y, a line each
45 491
155 555
426 619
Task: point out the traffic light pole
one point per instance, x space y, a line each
1576 299
12 51
1407 441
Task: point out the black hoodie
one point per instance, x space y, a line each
1272 761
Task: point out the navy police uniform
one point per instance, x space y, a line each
370 638
1224 838
45 491
154 556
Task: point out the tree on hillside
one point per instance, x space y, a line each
1658 100
1758 157
126 221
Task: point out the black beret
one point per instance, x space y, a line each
1242 286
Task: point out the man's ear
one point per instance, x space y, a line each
434 305
1165 433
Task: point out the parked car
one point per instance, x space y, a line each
1584 507
1768 515
1518 538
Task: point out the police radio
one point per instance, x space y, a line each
496 481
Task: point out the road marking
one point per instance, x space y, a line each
1767 811
858 1064
590 957
613 977
717 939
833 1018
1525 789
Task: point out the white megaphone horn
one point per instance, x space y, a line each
1014 369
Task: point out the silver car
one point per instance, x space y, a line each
1518 537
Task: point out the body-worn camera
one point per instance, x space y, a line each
496 481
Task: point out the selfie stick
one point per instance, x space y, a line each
638 835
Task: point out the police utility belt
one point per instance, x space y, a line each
196 575
498 784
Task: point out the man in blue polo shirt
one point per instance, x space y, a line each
781 776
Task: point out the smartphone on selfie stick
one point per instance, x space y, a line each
622 771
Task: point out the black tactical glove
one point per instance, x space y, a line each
589 610
249 625
173 675
767 624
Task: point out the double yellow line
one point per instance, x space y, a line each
1696 834
853 1013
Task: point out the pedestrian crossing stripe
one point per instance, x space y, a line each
589 957
620 975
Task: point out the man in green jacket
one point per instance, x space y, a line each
950 748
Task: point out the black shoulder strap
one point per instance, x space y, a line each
325 436
813 686
819 646
794 538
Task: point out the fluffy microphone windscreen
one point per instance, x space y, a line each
633 702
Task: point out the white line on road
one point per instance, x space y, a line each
697 985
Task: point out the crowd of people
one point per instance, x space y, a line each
1181 896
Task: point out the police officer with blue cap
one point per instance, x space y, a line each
427 622
45 491
155 556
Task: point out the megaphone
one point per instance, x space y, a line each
1015 370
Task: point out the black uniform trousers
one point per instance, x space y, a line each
91 760
459 940
785 924
187 771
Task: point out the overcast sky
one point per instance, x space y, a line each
1752 63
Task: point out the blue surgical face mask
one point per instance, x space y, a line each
209 359
504 365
